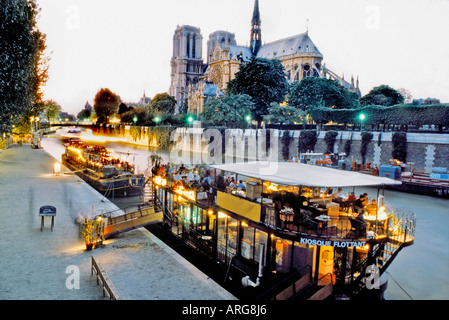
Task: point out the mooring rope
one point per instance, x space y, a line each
399 285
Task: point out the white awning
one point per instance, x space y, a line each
299 174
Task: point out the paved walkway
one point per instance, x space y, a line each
37 265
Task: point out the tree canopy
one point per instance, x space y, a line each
52 110
284 114
264 80
312 92
402 114
23 70
105 104
382 95
161 104
230 110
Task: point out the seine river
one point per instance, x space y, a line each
419 271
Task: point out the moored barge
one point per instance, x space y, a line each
103 169
283 235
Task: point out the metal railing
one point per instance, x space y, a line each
316 283
399 222
285 283
108 287
402 225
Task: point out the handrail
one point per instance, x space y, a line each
311 285
405 224
108 287
129 215
282 283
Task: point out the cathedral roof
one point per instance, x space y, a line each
299 44
236 51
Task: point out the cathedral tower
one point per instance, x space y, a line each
256 33
186 63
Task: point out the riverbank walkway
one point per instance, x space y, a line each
54 265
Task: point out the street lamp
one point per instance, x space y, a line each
248 119
135 120
361 117
31 123
157 120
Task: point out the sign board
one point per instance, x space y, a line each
330 243
441 176
47 211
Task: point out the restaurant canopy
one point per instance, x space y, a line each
299 174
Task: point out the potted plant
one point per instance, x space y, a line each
87 230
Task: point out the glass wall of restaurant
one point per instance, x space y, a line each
219 234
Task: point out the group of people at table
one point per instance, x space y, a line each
334 205
364 211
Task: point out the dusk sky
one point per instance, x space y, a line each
126 46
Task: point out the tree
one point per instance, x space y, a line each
21 71
284 114
83 114
408 98
161 104
230 111
52 110
40 73
105 104
122 108
140 114
264 80
366 139
382 95
312 92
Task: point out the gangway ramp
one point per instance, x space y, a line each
132 220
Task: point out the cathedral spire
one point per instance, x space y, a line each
256 34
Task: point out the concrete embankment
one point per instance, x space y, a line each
43 264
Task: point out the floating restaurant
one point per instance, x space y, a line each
104 170
288 230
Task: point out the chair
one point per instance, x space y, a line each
333 211
358 227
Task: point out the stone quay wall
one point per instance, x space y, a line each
424 151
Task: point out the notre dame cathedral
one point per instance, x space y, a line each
193 81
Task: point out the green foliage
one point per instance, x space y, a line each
366 139
22 70
307 140
122 108
264 80
402 114
53 109
229 111
330 138
399 141
87 230
347 147
162 104
83 114
285 141
140 112
161 134
382 96
311 93
284 114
